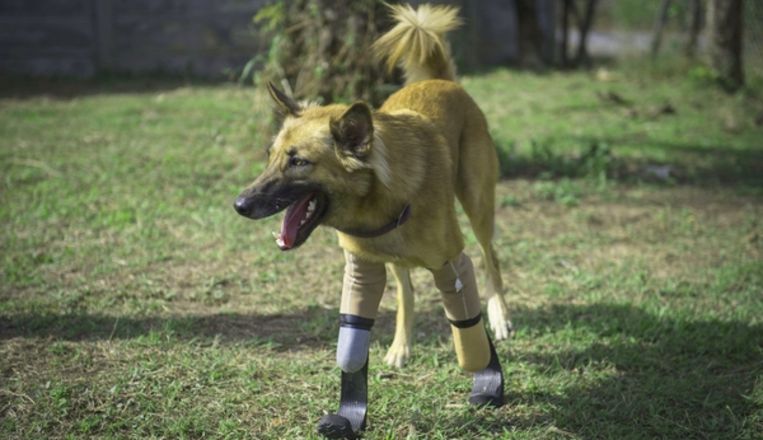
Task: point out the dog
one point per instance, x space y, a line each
349 168
386 180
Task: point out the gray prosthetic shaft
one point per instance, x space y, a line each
353 343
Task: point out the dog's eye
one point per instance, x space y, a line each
295 161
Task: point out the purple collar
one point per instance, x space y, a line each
404 215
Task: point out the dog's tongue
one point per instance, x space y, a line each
290 226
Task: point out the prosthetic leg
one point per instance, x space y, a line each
474 350
361 293
350 420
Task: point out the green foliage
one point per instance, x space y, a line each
594 162
565 191
703 75
271 17
641 15
623 124
320 48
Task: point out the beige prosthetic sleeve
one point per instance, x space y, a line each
361 293
458 286
363 287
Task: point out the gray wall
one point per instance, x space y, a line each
82 37
490 34
212 38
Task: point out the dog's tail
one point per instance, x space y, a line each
417 42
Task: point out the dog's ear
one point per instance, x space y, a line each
286 105
353 131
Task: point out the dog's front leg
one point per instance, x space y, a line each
361 293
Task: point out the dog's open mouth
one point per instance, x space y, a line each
301 218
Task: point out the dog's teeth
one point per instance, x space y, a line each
311 205
279 242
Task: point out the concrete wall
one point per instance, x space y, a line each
212 38
47 36
490 34
82 37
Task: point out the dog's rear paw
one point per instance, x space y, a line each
503 330
397 355
499 319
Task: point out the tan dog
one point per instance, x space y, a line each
386 180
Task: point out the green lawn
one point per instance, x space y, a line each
135 303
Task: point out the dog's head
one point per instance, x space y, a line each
320 159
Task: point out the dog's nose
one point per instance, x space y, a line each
243 205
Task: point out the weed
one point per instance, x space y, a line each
565 191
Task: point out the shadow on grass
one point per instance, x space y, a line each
305 328
309 327
643 376
684 163
665 377
22 87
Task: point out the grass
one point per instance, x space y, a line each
136 304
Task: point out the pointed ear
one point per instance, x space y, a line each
353 131
286 105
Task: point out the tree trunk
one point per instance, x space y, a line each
725 20
585 27
694 27
565 32
659 27
530 36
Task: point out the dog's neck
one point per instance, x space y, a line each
394 184
395 223
397 167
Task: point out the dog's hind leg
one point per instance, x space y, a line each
475 189
476 354
497 311
400 350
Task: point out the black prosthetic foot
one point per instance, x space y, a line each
350 420
487 388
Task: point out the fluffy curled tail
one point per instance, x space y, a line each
417 42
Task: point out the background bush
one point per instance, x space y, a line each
319 49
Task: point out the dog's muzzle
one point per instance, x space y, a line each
257 206
243 205
305 206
